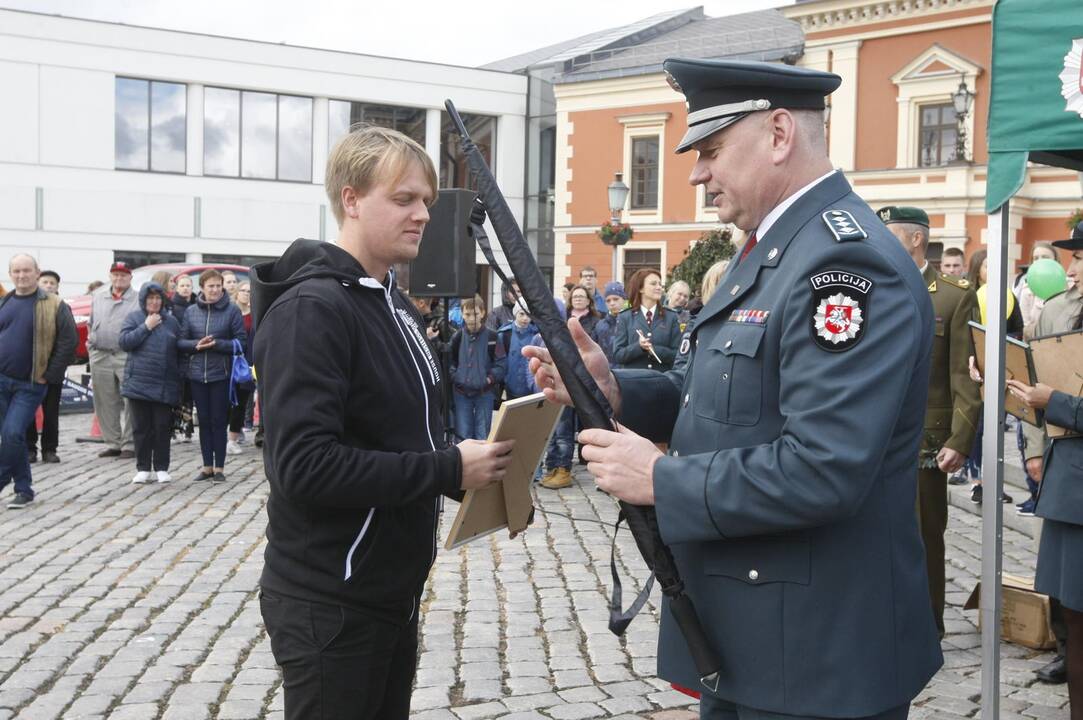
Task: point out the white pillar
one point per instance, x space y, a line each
320 149
843 118
433 120
194 155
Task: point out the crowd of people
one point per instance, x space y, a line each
155 353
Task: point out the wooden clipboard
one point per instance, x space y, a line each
529 421
1057 364
1018 365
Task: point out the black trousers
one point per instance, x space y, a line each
237 412
152 429
341 663
50 430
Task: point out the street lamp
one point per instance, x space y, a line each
618 194
961 99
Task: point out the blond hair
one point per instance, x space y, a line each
367 155
711 278
474 303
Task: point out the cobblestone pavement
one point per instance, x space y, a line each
139 602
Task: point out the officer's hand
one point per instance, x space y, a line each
1034 468
622 463
1033 397
484 463
974 374
548 379
949 460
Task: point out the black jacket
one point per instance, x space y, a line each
354 452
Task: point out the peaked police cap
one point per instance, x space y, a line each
721 92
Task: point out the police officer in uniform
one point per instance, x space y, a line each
787 495
951 416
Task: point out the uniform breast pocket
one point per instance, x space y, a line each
727 382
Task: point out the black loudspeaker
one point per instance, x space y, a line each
444 266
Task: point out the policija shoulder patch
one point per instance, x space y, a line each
840 304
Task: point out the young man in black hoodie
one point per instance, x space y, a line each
353 449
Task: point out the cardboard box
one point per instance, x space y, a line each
1024 618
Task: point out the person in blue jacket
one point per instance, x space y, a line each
514 337
211 324
478 365
151 380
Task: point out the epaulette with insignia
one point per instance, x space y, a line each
843 226
956 281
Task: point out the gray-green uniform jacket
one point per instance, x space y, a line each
788 494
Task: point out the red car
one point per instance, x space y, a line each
80 304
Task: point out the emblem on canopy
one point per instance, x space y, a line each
1072 78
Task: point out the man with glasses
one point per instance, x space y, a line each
588 278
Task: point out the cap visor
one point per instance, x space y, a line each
1071 244
704 129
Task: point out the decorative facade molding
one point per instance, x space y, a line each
849 13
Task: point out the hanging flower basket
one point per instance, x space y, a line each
618 234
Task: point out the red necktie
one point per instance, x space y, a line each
749 244
650 317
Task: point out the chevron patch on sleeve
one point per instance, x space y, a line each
843 226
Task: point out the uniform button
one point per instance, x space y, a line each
697 342
686 400
729 344
753 575
725 376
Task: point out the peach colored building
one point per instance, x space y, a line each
891 127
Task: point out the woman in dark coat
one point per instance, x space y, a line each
581 306
210 326
656 348
151 380
182 415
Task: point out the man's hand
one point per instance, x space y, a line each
431 332
949 460
1034 468
548 379
1033 397
153 320
974 374
40 381
622 463
205 343
484 463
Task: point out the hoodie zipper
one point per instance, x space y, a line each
373 284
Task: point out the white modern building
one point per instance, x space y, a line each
149 145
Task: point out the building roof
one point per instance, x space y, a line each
764 35
621 36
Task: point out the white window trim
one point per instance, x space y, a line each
642 245
637 126
917 88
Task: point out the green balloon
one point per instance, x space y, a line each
1046 278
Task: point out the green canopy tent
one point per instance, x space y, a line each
1035 115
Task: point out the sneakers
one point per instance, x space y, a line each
203 476
557 479
164 476
1026 508
20 501
32 456
233 448
141 477
49 456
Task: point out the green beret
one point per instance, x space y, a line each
903 214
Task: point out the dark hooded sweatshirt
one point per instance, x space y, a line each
353 449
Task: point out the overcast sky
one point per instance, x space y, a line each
466 32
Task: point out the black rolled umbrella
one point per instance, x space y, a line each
594 411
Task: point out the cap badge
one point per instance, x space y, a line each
673 82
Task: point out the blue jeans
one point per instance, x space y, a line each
19 399
473 415
562 443
212 403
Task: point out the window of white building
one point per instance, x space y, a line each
257 135
343 115
150 125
